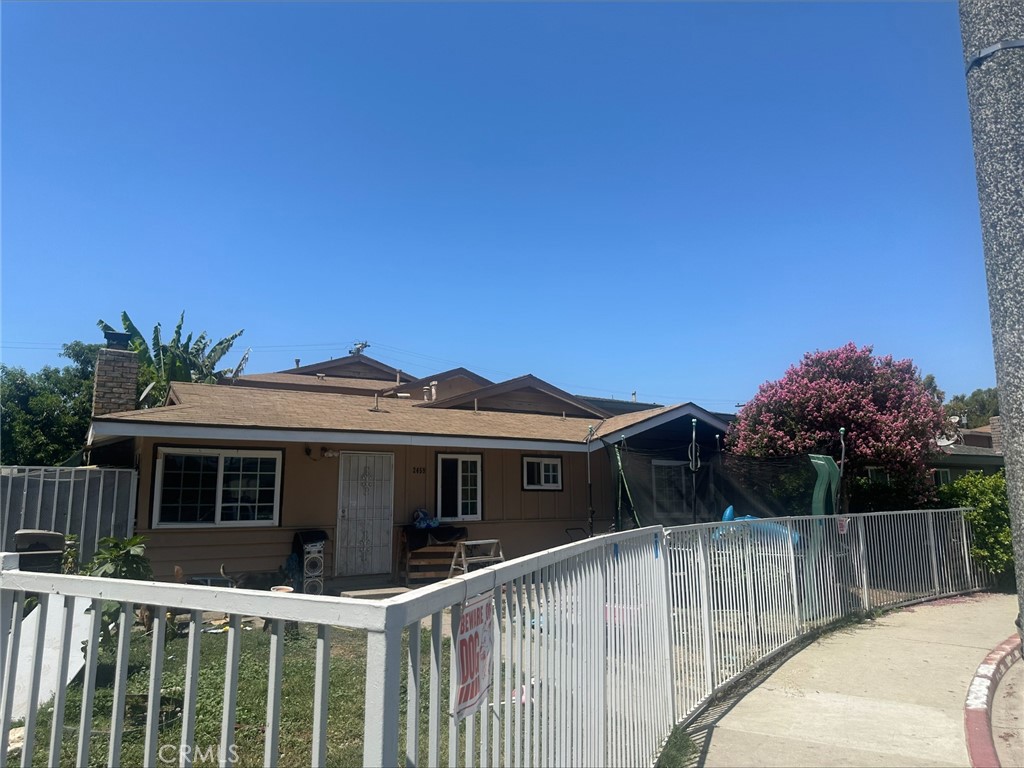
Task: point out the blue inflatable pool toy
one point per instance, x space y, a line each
763 529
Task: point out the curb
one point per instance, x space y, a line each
977 708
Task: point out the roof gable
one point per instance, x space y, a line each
451 383
632 424
525 394
352 367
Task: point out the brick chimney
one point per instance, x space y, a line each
997 433
117 374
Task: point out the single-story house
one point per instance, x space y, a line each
974 450
352 447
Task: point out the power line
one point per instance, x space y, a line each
403 358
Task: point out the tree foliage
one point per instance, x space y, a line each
989 516
975 409
891 416
44 416
178 359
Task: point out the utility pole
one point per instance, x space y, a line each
992 32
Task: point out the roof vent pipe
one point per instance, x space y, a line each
297 361
634 395
426 393
398 377
433 390
376 401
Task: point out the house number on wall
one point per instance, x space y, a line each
419 470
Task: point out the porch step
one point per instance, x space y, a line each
427 564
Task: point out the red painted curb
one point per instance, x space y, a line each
977 708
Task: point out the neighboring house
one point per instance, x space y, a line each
229 473
977 450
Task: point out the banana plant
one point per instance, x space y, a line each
179 359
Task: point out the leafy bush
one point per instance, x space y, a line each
989 517
121 559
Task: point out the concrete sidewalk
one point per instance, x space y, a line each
889 692
1008 717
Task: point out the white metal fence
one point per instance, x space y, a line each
583 636
741 592
89 502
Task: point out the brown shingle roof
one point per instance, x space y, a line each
310 382
222 406
618 423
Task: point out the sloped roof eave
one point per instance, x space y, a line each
635 423
112 429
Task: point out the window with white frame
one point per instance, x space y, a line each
941 476
878 475
206 486
542 473
458 486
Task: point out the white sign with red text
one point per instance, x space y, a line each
474 644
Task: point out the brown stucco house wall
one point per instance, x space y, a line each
524 521
230 473
316 423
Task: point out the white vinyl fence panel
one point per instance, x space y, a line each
582 637
89 502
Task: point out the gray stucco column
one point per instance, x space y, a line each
993 38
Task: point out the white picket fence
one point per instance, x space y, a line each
599 647
88 502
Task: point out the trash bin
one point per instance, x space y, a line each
39 550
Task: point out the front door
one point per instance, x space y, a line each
365 514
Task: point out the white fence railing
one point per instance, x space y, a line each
88 502
740 592
582 638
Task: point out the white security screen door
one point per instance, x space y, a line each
365 514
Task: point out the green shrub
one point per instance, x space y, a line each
121 559
989 517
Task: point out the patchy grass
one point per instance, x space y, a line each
347 682
345 706
678 751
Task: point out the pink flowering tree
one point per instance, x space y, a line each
891 420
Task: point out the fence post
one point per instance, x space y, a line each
8 562
862 546
9 639
705 610
132 491
380 720
932 546
966 547
797 623
661 543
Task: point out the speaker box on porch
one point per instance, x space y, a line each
313 568
308 547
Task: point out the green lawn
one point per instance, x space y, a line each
345 707
345 720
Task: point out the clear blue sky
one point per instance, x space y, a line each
674 198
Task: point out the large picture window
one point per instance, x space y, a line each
202 486
458 486
542 473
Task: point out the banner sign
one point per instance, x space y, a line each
474 645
